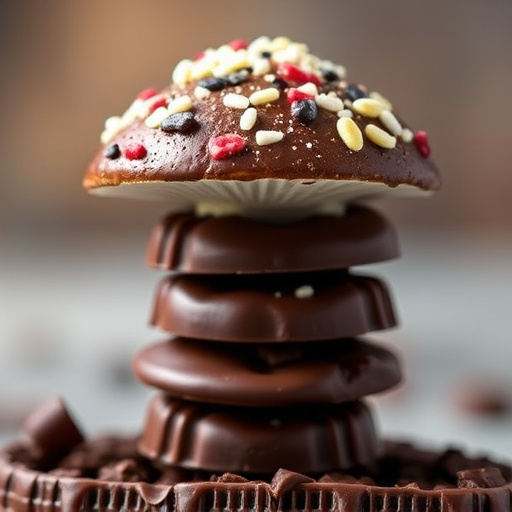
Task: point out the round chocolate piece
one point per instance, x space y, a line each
277 374
231 244
305 438
272 308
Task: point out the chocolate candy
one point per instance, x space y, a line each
272 308
305 438
248 375
231 244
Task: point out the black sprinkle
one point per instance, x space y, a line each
279 83
305 111
266 55
354 92
213 83
330 75
236 78
113 152
182 122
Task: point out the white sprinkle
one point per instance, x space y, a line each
278 295
377 96
308 88
180 104
248 119
391 123
261 67
265 137
264 96
155 119
345 113
201 93
350 133
368 107
304 292
407 135
233 100
331 103
309 145
379 136
181 73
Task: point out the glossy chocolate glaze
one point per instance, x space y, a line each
265 308
258 376
308 152
305 438
225 245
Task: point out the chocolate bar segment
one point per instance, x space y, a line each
272 307
231 244
305 438
247 375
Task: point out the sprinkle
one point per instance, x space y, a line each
331 103
248 119
154 120
294 94
309 88
182 72
345 113
390 122
264 96
265 137
224 146
350 133
354 92
233 100
135 151
213 83
421 143
379 136
261 67
305 111
182 122
377 96
292 73
201 93
330 75
113 152
304 292
147 93
238 44
237 78
407 135
180 104
155 102
368 107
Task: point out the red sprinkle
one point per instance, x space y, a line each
199 56
135 151
421 143
294 94
224 146
154 103
238 44
147 93
292 73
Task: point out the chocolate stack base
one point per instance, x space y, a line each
109 474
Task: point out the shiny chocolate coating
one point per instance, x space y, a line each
232 244
304 438
277 374
272 308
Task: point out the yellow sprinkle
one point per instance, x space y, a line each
380 137
350 133
155 119
378 96
181 73
264 96
180 104
368 107
304 292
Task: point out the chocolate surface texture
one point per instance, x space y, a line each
261 151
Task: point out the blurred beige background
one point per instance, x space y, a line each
74 292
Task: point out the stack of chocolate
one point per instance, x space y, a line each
265 366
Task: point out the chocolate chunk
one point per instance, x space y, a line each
220 245
213 83
483 477
126 470
325 372
272 308
183 122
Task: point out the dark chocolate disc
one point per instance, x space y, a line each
231 244
308 439
273 307
277 374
